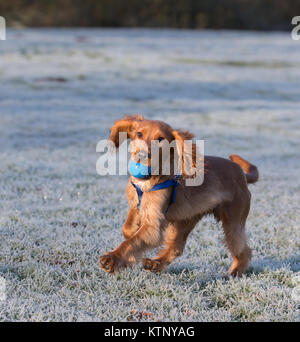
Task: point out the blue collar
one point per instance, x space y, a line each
168 183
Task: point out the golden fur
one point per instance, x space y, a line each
224 193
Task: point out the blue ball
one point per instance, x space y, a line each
139 170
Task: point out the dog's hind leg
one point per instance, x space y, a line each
175 240
234 219
236 241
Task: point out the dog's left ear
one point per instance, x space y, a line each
126 125
180 136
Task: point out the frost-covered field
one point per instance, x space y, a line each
238 91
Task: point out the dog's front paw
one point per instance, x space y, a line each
108 263
152 265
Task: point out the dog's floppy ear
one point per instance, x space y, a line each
126 125
185 156
181 135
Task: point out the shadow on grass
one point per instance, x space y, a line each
256 267
259 266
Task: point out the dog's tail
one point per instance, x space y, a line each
251 170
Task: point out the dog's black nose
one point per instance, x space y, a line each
142 155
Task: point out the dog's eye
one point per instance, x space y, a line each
160 139
139 135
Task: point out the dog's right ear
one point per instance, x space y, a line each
127 125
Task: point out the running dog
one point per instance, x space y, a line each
163 210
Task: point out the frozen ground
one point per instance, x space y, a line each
238 91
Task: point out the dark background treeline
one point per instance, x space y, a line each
196 14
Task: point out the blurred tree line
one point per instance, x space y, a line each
196 14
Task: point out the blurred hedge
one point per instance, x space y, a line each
218 14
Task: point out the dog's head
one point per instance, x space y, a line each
144 134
